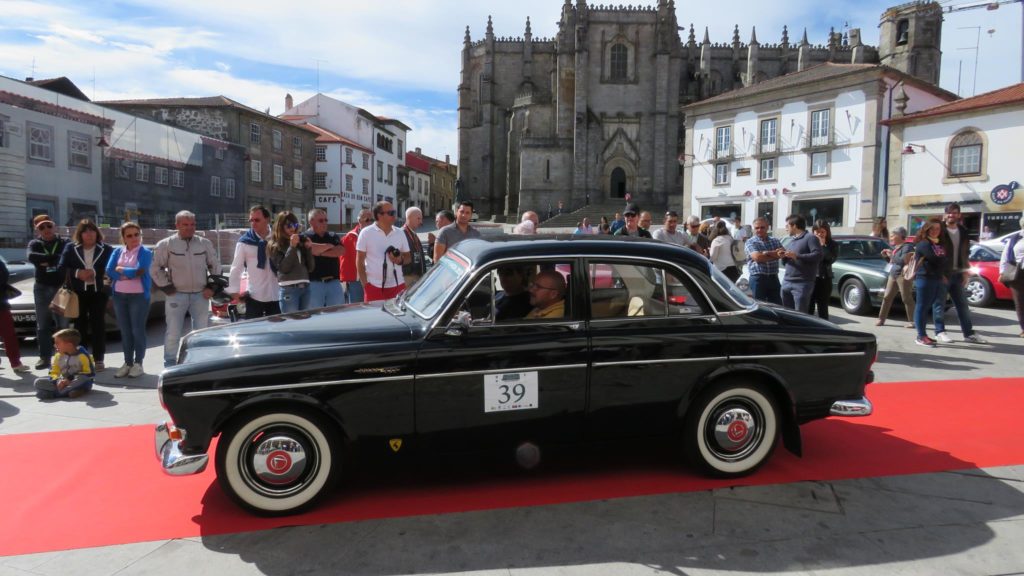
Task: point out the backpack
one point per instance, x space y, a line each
739 253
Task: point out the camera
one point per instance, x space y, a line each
394 251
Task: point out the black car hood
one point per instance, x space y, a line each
356 325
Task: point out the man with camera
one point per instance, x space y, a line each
381 251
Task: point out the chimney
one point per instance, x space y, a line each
447 160
287 102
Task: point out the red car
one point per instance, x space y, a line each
983 286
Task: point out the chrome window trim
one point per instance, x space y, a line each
502 371
709 317
294 386
661 361
571 256
792 356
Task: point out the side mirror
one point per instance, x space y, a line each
459 325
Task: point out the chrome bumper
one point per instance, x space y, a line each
172 459
851 408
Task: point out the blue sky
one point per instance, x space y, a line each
397 58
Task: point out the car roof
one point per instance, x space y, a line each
511 246
856 237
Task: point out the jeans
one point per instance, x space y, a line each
797 295
353 292
132 311
765 287
258 309
175 308
46 322
329 293
92 322
821 297
955 288
294 297
928 289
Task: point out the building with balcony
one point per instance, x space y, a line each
810 142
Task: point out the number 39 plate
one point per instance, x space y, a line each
510 391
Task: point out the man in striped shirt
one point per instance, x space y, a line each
763 255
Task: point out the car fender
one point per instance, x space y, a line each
278 401
772 380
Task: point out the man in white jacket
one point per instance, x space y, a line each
261 296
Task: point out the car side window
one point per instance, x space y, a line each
479 303
623 290
520 292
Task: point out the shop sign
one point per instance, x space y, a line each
1003 193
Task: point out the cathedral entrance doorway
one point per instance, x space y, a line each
618 183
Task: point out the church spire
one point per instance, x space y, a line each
466 40
707 37
692 40
528 31
753 37
490 28
785 35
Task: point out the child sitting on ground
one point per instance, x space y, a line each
71 371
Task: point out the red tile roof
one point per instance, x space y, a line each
1001 97
416 162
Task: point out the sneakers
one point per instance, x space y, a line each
100 367
122 371
20 368
135 371
944 338
42 364
925 341
975 339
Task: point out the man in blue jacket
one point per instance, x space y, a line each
801 259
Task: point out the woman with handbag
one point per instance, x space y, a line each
128 270
930 259
7 333
899 256
1010 272
84 262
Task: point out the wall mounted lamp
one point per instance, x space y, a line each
909 148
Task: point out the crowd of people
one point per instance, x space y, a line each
289 269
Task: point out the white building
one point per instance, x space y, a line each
964 152
342 177
808 143
386 138
49 159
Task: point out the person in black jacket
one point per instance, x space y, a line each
44 253
823 281
929 277
85 262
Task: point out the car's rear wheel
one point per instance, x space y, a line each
854 297
276 463
731 429
979 291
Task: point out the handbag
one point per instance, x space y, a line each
65 302
910 269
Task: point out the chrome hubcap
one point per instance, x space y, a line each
734 430
975 291
278 460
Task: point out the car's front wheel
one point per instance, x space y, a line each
854 297
979 291
277 463
731 429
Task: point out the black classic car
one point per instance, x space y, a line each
652 340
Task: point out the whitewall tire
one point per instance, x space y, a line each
731 429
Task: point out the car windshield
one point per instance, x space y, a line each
861 248
729 286
981 253
427 295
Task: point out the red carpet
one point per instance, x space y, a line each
78 489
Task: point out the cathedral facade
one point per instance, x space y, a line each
593 115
